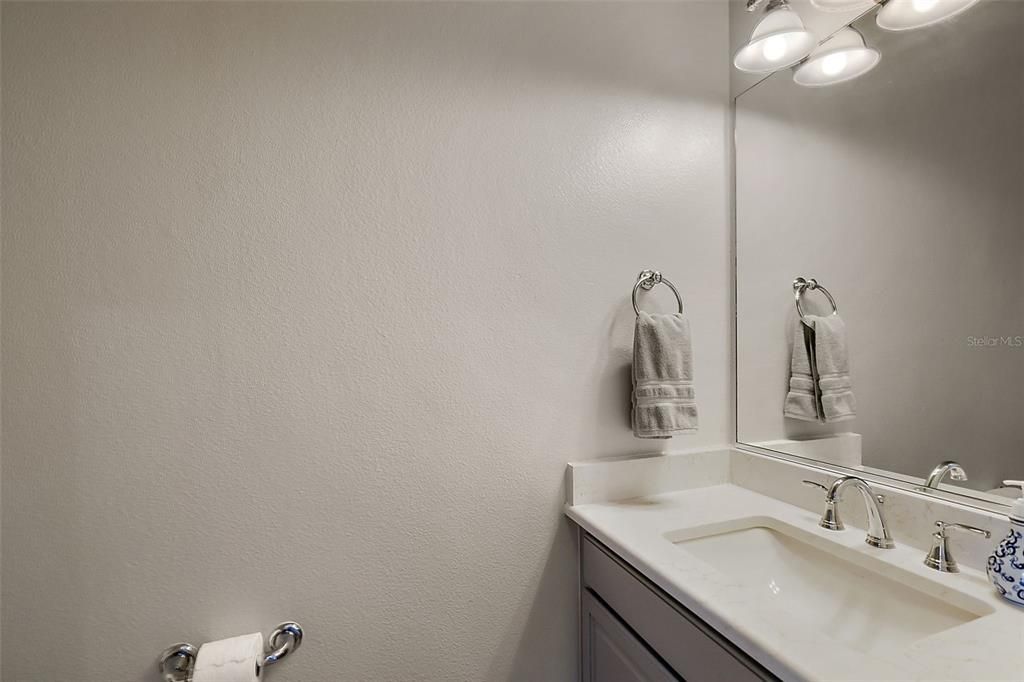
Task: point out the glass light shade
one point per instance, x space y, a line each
905 15
842 57
779 40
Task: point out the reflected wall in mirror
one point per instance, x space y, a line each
902 192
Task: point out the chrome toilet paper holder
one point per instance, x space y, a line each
177 662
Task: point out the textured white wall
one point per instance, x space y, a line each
900 192
1 333
306 306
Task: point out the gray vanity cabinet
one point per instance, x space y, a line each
631 630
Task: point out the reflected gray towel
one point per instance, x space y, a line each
819 374
663 397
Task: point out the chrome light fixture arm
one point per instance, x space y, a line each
754 5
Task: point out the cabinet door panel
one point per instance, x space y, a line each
611 653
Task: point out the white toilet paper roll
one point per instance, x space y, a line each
238 659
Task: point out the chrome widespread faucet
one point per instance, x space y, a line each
878 531
953 469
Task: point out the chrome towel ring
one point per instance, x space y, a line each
647 279
801 285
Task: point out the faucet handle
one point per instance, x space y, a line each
830 518
943 527
939 557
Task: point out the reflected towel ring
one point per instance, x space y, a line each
647 279
800 285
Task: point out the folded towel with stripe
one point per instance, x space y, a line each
664 403
819 382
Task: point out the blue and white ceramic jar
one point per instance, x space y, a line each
1006 565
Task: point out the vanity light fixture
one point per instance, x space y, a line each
842 57
779 39
906 15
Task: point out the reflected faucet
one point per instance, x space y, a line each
954 469
878 531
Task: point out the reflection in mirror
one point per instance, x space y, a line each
902 193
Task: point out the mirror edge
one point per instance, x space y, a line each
965 497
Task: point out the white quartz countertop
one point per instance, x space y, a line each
990 647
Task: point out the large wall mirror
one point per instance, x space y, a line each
901 192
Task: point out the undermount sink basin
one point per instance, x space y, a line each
787 573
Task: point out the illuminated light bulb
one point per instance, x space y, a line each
779 40
834 64
774 48
841 58
906 15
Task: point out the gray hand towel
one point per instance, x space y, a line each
819 382
802 399
663 396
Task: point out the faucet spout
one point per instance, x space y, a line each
878 531
953 469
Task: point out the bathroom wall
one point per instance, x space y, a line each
306 306
1 334
901 192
